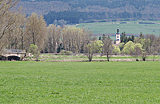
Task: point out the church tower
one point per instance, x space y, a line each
118 37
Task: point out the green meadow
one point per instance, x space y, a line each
130 27
81 57
79 82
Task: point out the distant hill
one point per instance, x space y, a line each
113 9
138 4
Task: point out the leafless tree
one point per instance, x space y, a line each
73 39
16 34
6 20
54 36
93 47
36 31
107 47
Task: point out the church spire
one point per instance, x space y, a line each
118 37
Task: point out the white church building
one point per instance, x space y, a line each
118 37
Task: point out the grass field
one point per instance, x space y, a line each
130 27
79 82
81 57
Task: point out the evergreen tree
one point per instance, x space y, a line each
132 38
129 39
60 47
141 36
103 37
124 38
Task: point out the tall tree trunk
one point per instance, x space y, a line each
144 59
90 57
22 42
15 45
33 38
107 56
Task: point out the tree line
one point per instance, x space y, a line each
18 32
72 17
107 3
137 9
75 17
136 46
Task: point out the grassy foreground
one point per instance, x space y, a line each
79 82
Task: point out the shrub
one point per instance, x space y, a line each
34 50
64 52
68 53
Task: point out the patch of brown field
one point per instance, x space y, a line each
102 60
68 61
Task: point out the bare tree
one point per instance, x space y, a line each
107 47
54 36
21 30
51 38
36 31
152 39
73 39
6 20
16 33
93 47
89 50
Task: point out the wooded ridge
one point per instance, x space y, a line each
106 9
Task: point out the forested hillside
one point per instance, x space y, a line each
106 3
73 17
104 9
